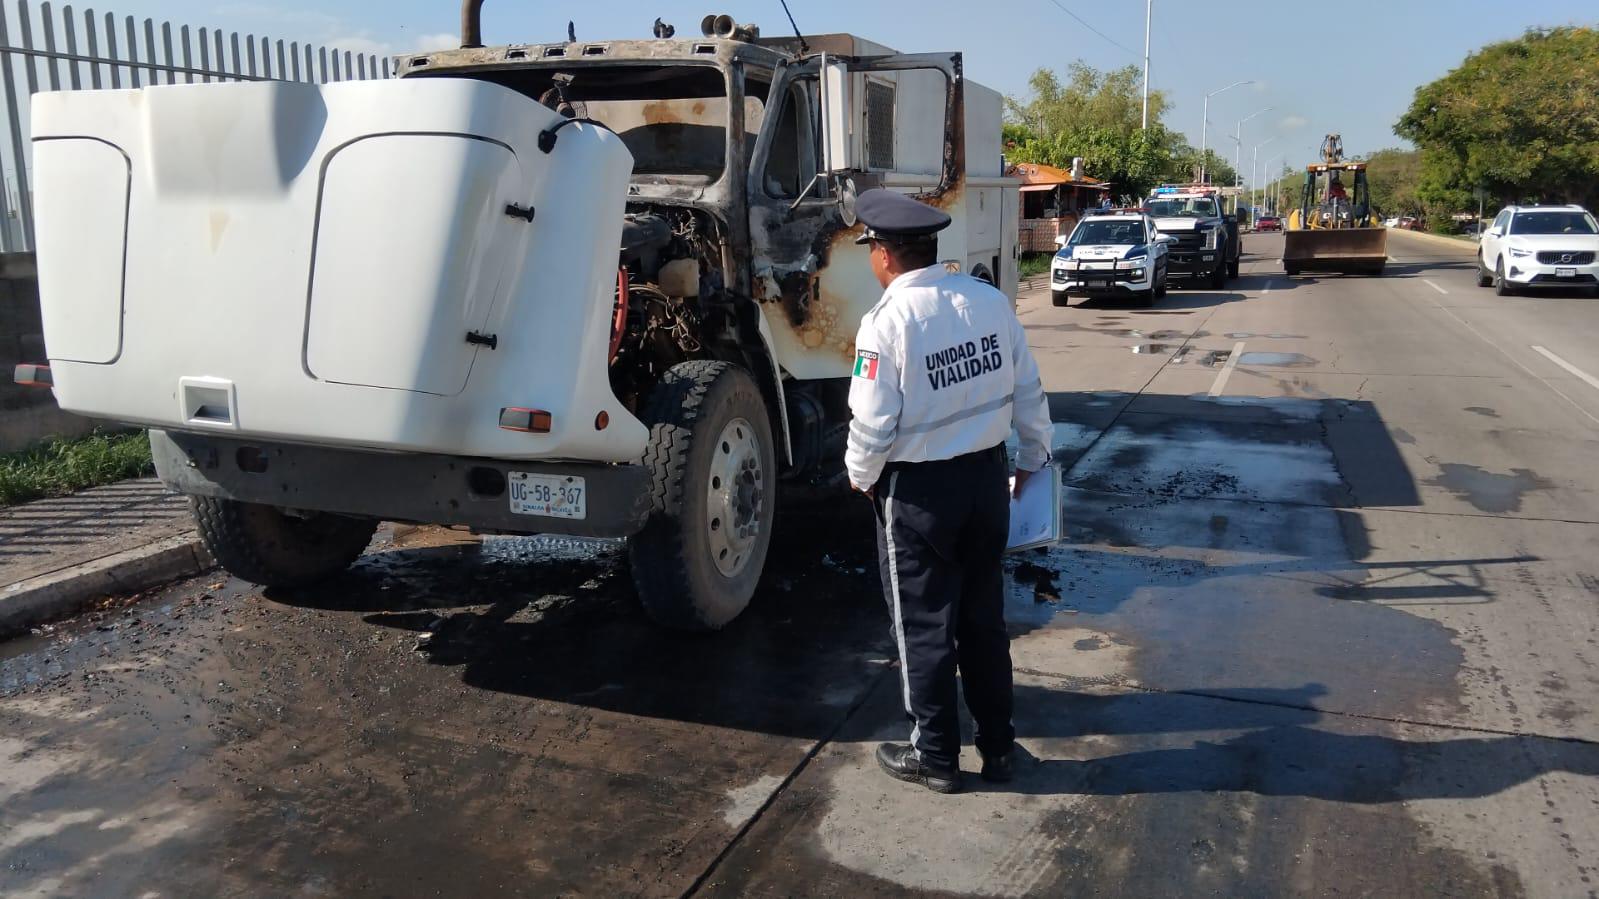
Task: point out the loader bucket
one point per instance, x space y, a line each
1351 251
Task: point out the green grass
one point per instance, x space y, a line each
1034 264
57 467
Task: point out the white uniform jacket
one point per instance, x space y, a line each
942 369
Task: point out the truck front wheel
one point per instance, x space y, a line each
713 489
267 546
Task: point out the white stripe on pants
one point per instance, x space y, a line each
899 621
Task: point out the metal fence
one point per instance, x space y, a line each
41 50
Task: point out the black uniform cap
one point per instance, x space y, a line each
890 215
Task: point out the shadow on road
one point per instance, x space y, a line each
1280 752
1177 298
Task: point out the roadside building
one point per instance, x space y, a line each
1052 201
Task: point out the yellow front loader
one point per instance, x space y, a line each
1332 230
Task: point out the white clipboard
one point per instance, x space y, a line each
1035 515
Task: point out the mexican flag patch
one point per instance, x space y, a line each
866 365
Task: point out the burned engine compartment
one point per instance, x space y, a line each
671 303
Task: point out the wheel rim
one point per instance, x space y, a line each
736 495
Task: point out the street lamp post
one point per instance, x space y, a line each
1238 138
1254 184
1270 200
1205 125
1149 12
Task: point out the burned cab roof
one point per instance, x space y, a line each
715 51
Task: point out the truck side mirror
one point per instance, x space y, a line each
835 95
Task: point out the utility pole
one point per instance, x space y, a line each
1205 125
1149 12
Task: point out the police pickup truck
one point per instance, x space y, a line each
1206 246
1119 253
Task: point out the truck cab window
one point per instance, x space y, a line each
791 162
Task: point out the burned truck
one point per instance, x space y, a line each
601 288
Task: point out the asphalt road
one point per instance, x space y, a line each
1325 623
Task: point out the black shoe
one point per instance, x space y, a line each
997 768
901 763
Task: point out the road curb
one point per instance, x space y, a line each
61 593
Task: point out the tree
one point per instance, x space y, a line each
1090 99
1098 116
1395 177
1517 118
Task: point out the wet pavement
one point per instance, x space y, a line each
1324 622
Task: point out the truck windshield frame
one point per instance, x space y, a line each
1181 207
674 117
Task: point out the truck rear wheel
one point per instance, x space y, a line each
713 488
267 546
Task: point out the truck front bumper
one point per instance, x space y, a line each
1193 263
1115 278
410 487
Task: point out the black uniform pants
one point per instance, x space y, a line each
940 545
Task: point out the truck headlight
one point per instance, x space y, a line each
1520 254
1136 260
1138 274
1210 238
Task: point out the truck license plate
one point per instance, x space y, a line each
1565 273
551 496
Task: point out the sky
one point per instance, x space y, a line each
1353 71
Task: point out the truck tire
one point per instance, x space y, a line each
265 546
1060 299
1232 268
1218 278
712 490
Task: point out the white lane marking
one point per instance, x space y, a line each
1592 381
1265 290
1484 338
1227 370
1434 286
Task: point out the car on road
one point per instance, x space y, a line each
1539 247
1269 223
1391 221
1111 254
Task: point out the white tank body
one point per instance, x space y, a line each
305 263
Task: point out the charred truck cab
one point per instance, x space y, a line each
648 244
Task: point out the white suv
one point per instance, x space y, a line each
1111 254
1539 246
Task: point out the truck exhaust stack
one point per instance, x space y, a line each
471 24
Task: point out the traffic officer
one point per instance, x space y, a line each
942 375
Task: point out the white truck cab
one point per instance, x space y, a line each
601 289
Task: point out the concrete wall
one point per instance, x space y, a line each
27 414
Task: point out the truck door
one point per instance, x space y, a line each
836 126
